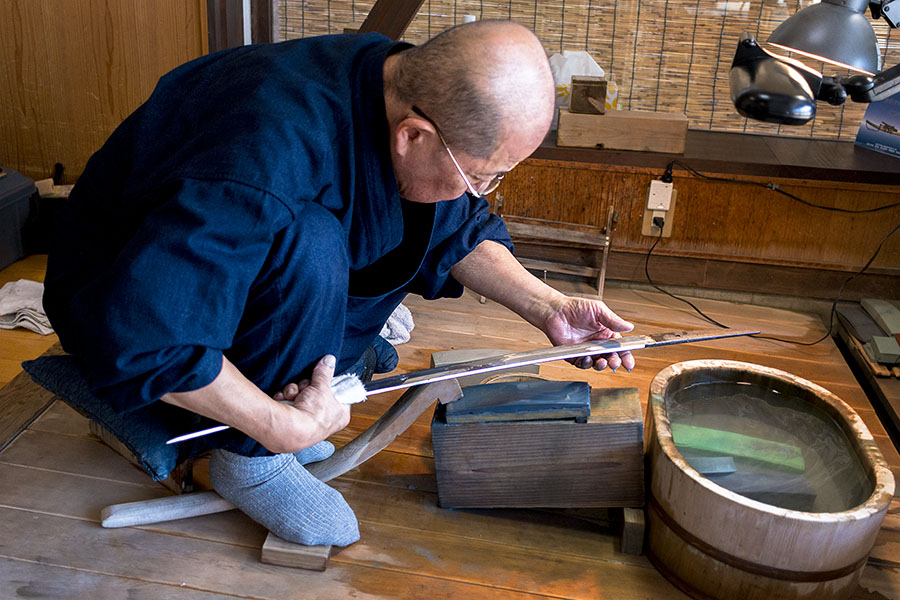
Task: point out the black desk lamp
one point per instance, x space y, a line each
768 87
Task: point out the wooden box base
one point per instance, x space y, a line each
550 463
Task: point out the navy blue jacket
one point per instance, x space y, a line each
177 227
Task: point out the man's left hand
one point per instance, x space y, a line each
578 320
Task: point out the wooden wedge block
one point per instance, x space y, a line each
624 130
277 551
632 531
179 480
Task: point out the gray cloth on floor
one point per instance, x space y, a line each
398 327
282 496
21 305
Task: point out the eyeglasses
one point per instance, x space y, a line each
488 188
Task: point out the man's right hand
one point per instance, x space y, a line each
234 400
315 399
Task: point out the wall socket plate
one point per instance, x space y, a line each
649 229
659 195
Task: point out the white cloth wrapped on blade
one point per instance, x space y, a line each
21 305
398 327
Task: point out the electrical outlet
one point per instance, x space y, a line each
659 196
649 229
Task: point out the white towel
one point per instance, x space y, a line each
21 306
398 326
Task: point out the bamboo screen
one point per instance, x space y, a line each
665 55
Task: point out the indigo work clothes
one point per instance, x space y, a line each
248 209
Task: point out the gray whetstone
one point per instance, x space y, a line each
521 401
885 312
858 322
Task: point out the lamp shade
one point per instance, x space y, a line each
835 31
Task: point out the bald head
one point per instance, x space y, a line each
482 82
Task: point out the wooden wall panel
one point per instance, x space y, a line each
717 221
72 70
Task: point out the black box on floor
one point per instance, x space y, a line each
15 204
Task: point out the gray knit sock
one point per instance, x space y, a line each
279 494
315 453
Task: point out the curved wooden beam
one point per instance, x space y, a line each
367 444
382 432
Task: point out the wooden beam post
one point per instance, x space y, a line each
391 17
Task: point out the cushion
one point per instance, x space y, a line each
144 431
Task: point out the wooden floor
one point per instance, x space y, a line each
56 477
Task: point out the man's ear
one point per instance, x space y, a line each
410 135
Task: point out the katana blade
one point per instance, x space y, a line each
528 357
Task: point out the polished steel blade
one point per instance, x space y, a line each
527 357
531 357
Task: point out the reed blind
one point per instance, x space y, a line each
664 55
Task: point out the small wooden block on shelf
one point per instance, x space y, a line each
624 130
588 95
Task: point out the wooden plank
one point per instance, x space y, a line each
228 569
67 494
591 237
89 65
624 130
397 504
79 497
21 402
23 579
276 551
878 583
62 418
89 457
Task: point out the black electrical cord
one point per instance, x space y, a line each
668 177
647 273
774 187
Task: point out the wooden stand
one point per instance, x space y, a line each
545 463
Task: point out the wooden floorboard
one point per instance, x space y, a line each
57 477
26 579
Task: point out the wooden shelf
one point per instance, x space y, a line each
746 154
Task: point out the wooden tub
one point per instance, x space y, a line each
714 543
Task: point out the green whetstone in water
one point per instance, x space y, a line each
736 444
520 401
